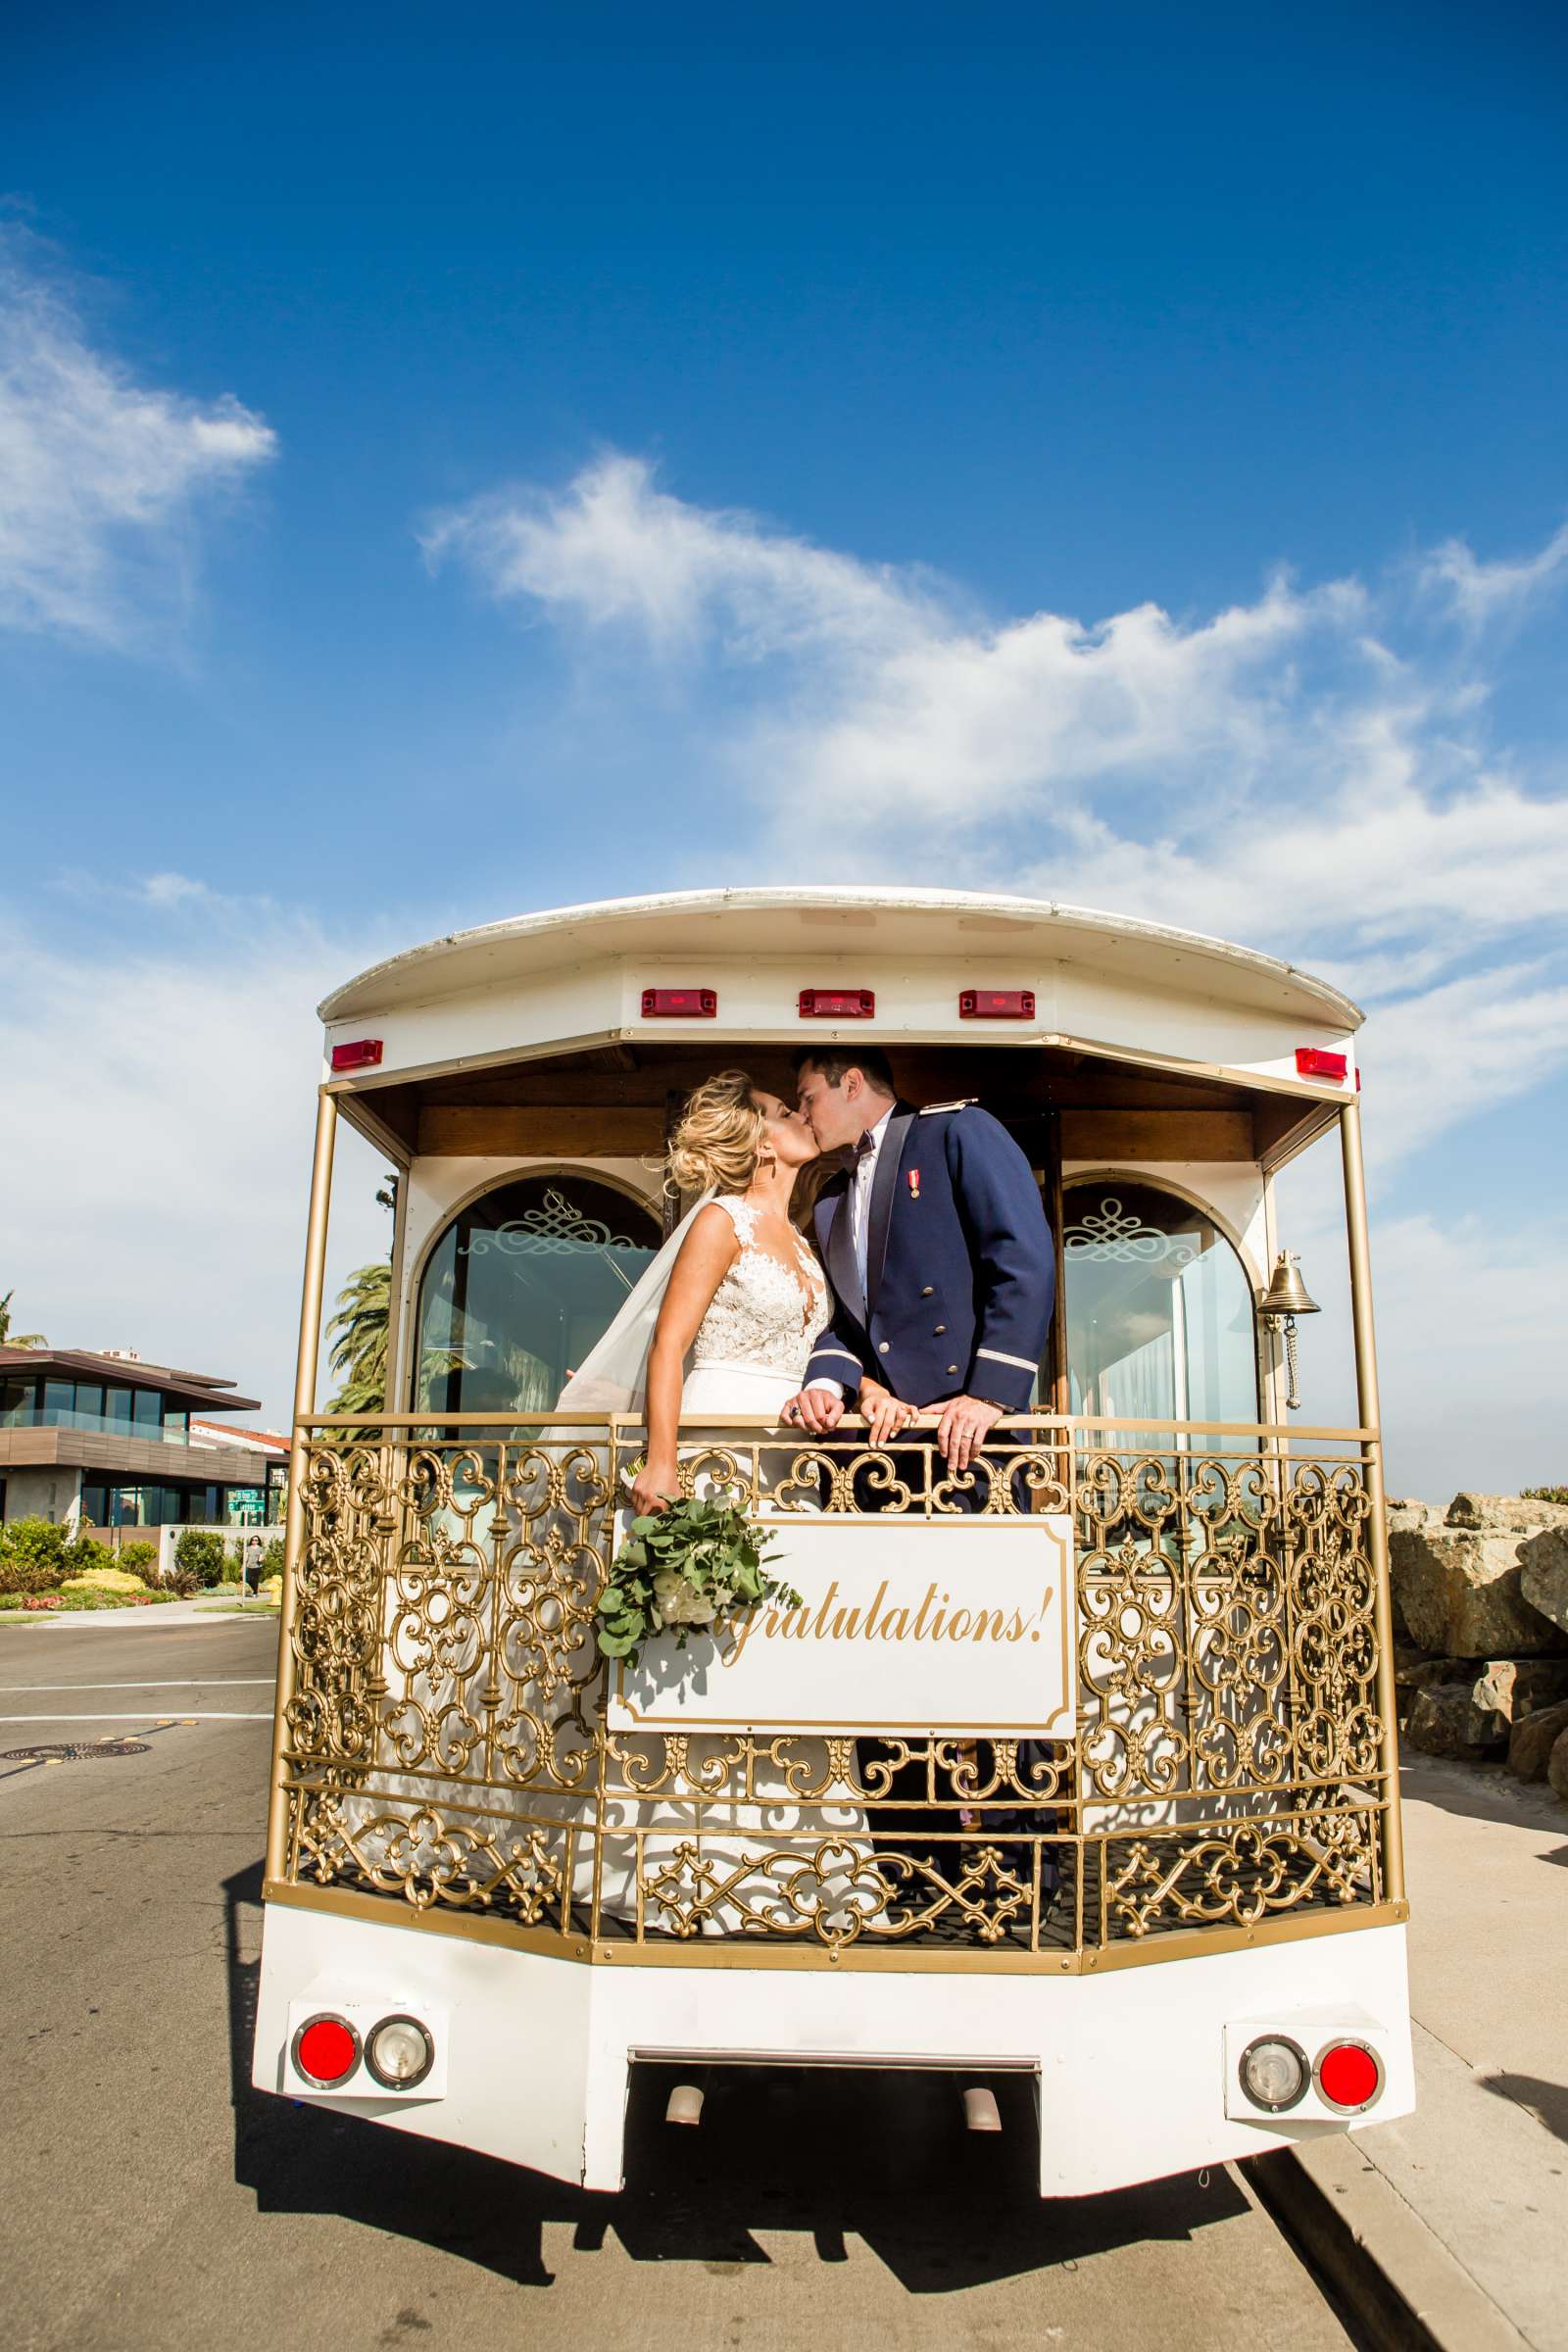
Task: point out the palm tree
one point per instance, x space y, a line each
357 1333
17 1339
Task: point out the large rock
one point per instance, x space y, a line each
1471 1711
1508 1690
1533 1739
1440 1722
1557 1767
1504 1514
1544 1573
1459 1593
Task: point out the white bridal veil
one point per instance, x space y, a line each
612 1377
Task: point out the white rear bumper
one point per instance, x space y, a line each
536 2052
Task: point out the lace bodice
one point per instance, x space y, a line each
761 1313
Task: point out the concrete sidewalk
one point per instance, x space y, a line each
1462 2208
165 1613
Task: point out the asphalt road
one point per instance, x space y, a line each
151 2201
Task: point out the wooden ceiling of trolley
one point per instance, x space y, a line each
614 1101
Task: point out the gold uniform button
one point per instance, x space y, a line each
940 1328
952 1367
883 1348
929 1291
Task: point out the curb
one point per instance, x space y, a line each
1407 2292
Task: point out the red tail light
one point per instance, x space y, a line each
837 1004
996 1004
1315 1062
326 2050
1348 2075
680 1003
363 1054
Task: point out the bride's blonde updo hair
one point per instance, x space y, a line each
719 1137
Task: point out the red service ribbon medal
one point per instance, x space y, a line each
915 1183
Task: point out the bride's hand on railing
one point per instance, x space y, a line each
885 1415
656 1486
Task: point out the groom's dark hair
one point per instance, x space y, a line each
834 1061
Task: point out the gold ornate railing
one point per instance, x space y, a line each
442 1752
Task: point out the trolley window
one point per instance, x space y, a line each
520 1285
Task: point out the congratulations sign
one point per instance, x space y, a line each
905 1626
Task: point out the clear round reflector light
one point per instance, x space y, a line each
399 2053
1348 2075
326 2050
1274 2073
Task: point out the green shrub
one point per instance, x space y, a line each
180 1583
273 1558
201 1552
1545 1494
34 1556
87 1556
138 1558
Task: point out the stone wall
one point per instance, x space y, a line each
1480 1624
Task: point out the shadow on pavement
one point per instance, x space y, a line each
832 2155
1547 2102
1481 1792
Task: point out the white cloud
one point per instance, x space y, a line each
102 478
159 1102
612 550
1479 593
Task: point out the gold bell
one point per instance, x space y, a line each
1286 1297
1287 1293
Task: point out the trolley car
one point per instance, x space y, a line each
493 1887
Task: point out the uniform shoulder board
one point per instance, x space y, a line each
929 1111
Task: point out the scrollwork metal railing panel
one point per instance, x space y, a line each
445 1742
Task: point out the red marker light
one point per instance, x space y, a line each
680 1003
996 1004
326 2050
1314 1061
363 1054
1348 2075
837 1004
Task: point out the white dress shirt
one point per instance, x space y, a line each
862 1176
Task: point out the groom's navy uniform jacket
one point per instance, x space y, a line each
960 1269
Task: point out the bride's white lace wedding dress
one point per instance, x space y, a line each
748 1357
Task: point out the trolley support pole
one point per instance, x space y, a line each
1366 1387
303 1406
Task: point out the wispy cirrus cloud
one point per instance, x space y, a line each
1478 593
104 480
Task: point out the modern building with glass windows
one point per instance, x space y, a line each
108 1439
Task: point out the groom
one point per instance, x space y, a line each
944 1272
937 1247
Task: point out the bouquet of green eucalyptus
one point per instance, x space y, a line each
698 1563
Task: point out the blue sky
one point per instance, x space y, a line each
453 463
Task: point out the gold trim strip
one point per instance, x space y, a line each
590 1426
715 1951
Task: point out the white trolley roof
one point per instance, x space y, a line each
467 1042
808 924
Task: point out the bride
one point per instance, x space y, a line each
735 1300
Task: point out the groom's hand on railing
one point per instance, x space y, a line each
816 1409
965 1424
